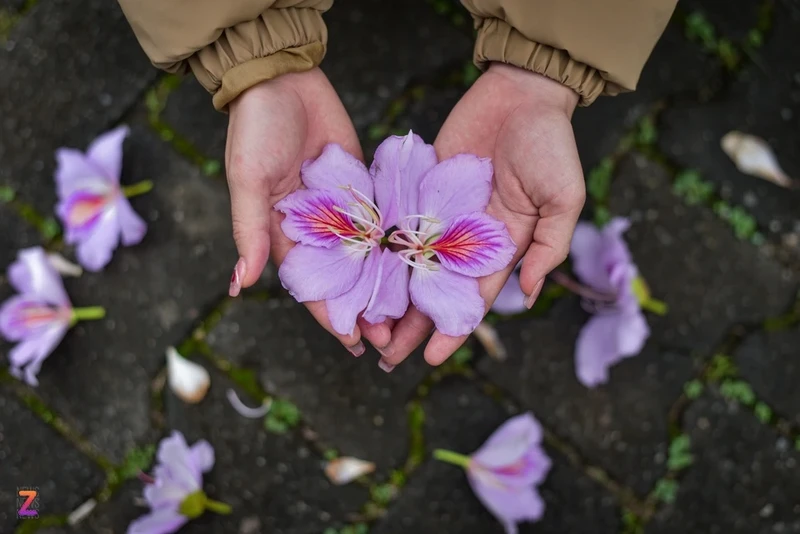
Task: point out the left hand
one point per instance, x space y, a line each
521 121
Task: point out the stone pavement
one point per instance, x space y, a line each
699 434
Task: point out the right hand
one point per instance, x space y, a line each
273 128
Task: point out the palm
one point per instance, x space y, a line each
538 185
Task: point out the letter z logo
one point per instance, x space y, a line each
25 509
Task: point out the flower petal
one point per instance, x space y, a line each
22 316
81 209
174 455
511 299
314 273
509 506
34 276
336 169
390 297
594 252
202 455
509 442
76 172
344 309
106 152
31 352
315 217
456 186
161 521
450 299
605 340
398 167
95 251
474 245
132 227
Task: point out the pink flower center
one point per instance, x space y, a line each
33 316
86 207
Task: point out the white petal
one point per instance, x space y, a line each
64 266
488 337
244 410
189 381
346 469
79 513
752 155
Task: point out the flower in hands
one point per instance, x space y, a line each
175 491
93 207
618 328
39 316
506 470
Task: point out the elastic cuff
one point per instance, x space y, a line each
278 42
498 41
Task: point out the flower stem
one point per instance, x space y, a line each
136 189
218 507
581 290
451 457
659 307
88 314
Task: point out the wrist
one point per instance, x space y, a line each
539 88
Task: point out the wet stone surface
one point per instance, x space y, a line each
349 402
33 454
759 357
153 294
70 70
190 112
744 478
438 498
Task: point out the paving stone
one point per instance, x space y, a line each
70 68
16 234
729 23
354 406
190 113
693 263
33 454
763 101
12 6
744 478
153 294
437 498
769 362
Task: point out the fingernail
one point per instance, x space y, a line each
357 349
388 350
385 366
530 299
236 278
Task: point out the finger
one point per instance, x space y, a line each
407 335
379 334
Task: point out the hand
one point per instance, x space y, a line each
522 121
273 128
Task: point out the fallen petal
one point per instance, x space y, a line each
63 266
346 469
79 513
188 380
752 155
247 411
487 335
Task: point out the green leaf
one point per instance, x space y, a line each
698 28
693 389
137 460
7 194
382 494
273 424
211 167
647 134
728 53
679 456
285 411
739 391
666 491
598 183
755 38
601 216
763 412
721 367
690 185
398 478
50 228
462 356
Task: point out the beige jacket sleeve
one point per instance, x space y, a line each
592 46
230 45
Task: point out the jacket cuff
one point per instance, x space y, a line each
278 42
498 41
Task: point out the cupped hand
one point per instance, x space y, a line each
273 128
521 121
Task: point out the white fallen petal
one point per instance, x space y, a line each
189 381
79 513
63 266
488 337
247 411
346 469
752 155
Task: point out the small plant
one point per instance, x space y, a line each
282 416
698 28
755 38
693 389
721 367
728 54
330 454
598 183
212 167
601 216
382 494
680 456
763 412
694 190
137 460
470 74
462 356
666 491
739 391
631 523
7 194
646 133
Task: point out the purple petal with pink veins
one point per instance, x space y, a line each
398 167
314 217
509 442
81 210
22 316
94 251
344 309
76 172
451 300
315 273
474 245
106 152
390 297
456 186
132 227
509 506
33 276
336 169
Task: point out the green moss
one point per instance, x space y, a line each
136 460
693 389
382 494
30 526
646 133
721 367
679 456
631 522
698 28
598 184
763 412
282 416
416 424
692 188
462 356
471 73
739 391
666 491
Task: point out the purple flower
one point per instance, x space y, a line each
339 223
175 491
602 261
505 471
511 299
39 316
92 206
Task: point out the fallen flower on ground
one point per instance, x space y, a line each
344 470
188 380
175 490
93 207
753 155
505 472
39 316
616 295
